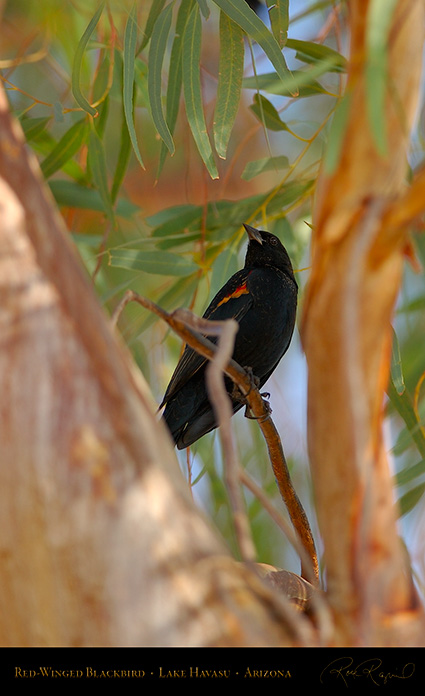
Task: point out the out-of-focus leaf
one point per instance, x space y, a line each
32 127
270 82
175 75
203 6
66 148
183 218
410 499
155 10
396 366
310 52
156 262
267 114
73 195
97 162
279 20
78 59
336 134
191 56
379 17
230 73
122 160
156 58
410 474
266 164
130 39
241 13
404 405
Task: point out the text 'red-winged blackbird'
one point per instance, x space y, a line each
262 298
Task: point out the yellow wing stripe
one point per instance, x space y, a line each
241 290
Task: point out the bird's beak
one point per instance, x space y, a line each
253 233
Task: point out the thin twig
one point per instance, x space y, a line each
260 411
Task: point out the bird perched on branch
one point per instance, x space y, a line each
262 298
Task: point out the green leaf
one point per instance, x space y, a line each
379 19
230 73
410 474
155 10
241 13
404 405
156 262
311 52
97 162
175 76
32 127
267 114
256 167
187 216
203 6
72 195
130 39
66 148
279 20
337 133
270 82
156 58
191 56
396 366
78 59
122 160
410 499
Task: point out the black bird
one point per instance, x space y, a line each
262 298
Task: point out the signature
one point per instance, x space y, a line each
345 669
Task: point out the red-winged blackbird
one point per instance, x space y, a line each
262 298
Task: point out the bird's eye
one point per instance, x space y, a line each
273 240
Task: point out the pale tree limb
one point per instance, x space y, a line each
357 261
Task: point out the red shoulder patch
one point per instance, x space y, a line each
240 290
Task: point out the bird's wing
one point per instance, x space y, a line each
231 302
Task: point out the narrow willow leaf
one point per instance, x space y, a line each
267 114
32 127
256 167
396 366
311 52
122 160
410 499
404 405
230 73
175 76
307 84
156 58
154 12
78 59
72 195
156 262
379 17
97 163
337 133
241 13
203 6
405 476
67 146
130 39
180 222
191 56
279 19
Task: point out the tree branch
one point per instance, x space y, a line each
178 321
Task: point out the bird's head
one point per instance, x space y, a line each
265 249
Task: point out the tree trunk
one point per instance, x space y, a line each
356 275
